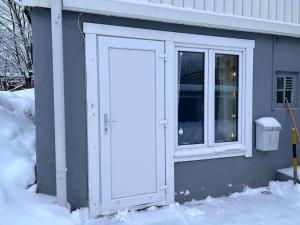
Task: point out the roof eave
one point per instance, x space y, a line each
173 15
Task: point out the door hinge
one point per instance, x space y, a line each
163 56
164 123
165 187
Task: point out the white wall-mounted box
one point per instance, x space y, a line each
267 134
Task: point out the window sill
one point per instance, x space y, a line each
210 152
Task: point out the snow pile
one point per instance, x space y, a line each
17 139
19 204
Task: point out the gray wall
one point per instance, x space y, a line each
214 177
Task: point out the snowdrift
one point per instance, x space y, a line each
17 139
19 204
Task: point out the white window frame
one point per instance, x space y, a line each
200 50
211 121
172 40
211 149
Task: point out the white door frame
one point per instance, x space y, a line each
93 120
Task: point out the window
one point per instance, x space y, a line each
211 102
190 98
285 84
226 97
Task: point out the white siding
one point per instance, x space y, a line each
247 6
199 4
264 9
295 11
238 7
255 8
155 1
168 2
189 3
219 6
209 5
288 11
278 10
272 10
228 7
178 3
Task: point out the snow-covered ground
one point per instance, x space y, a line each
278 204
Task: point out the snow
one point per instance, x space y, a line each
277 204
28 93
185 193
268 122
288 171
19 204
17 139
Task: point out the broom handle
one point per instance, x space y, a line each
293 118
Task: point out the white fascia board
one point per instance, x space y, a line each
171 14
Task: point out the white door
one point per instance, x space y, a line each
131 121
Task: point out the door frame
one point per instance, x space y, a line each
93 112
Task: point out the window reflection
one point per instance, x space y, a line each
190 98
226 98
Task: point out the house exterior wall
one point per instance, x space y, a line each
215 177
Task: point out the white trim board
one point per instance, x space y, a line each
172 41
175 15
193 39
93 124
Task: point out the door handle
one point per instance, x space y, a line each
107 122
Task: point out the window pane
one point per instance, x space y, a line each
280 97
226 98
190 98
280 83
288 95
